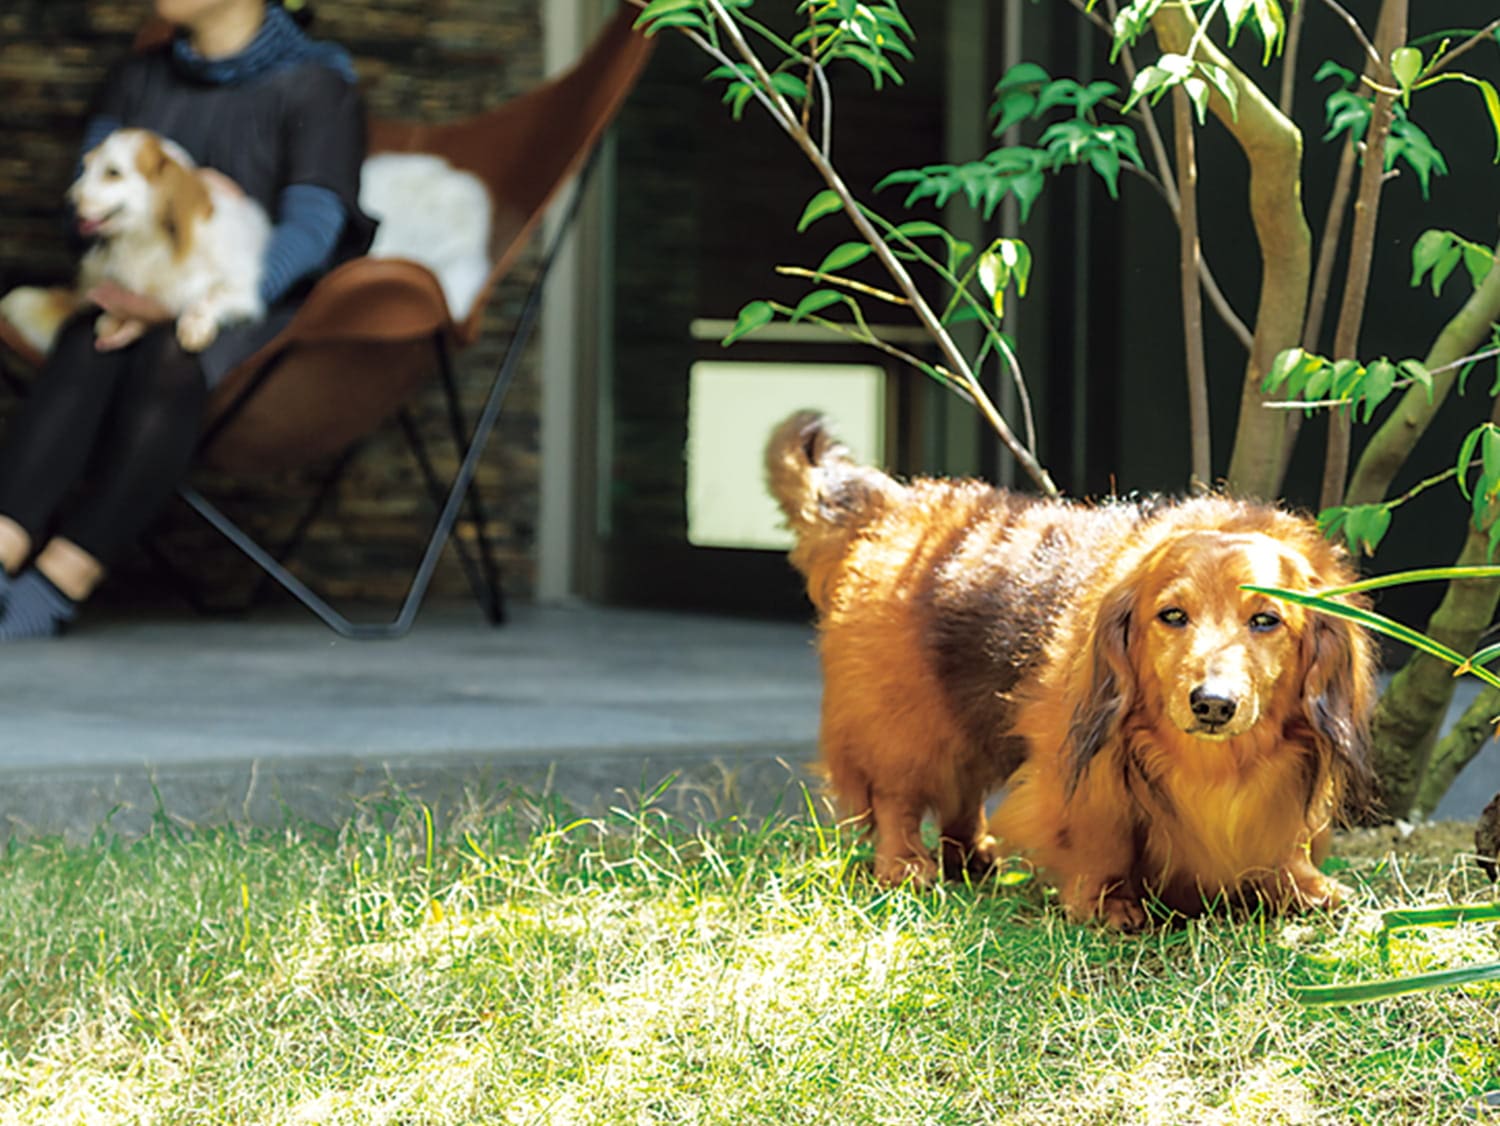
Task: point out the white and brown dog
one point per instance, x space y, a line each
166 229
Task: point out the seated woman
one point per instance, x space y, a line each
247 93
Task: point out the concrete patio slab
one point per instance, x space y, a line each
211 719
208 720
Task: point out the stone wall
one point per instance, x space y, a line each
426 59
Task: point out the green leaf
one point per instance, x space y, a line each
1406 65
1402 918
1016 95
1444 266
1394 987
1281 367
1378 383
1197 92
1220 80
994 275
1331 69
755 315
1409 143
788 85
1425 252
824 203
1416 371
1272 24
1489 463
1466 455
1149 81
843 256
814 302
671 13
1017 257
1492 104
1478 261
1364 526
1325 604
1331 521
1027 188
1235 12
674 19
1347 376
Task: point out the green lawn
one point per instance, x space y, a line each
521 967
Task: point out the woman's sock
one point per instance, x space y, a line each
34 608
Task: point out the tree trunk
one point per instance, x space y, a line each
1413 773
1273 146
1457 748
1392 443
1413 705
1389 34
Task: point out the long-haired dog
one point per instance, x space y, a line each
1161 731
163 228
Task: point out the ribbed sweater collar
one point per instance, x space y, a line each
278 44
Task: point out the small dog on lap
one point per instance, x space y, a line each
1161 733
163 228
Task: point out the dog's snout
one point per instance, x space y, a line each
1211 707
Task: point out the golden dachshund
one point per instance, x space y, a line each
1161 733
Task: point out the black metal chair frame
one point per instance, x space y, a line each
483 575
483 578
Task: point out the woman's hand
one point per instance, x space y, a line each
125 315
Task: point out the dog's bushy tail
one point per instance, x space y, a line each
827 497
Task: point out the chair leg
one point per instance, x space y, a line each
485 584
458 427
458 489
293 543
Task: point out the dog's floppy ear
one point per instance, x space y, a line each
1107 681
182 196
1338 693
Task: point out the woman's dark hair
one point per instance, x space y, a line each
299 10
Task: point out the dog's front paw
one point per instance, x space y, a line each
1313 891
196 329
893 871
37 313
1111 905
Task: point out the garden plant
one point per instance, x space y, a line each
1179 73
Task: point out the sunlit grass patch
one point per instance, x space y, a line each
523 966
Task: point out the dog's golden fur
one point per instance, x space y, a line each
1162 732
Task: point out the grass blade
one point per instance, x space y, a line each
1394 987
1404 917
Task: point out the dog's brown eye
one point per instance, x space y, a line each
1263 622
111 173
1173 616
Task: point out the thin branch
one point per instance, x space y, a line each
1390 33
1467 45
1168 188
1289 55
1359 32
1398 385
1023 393
887 258
720 57
1333 227
1092 16
945 377
1192 295
845 283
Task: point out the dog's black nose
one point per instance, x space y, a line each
1210 709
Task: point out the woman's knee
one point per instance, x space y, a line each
166 370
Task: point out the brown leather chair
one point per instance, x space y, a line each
374 331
